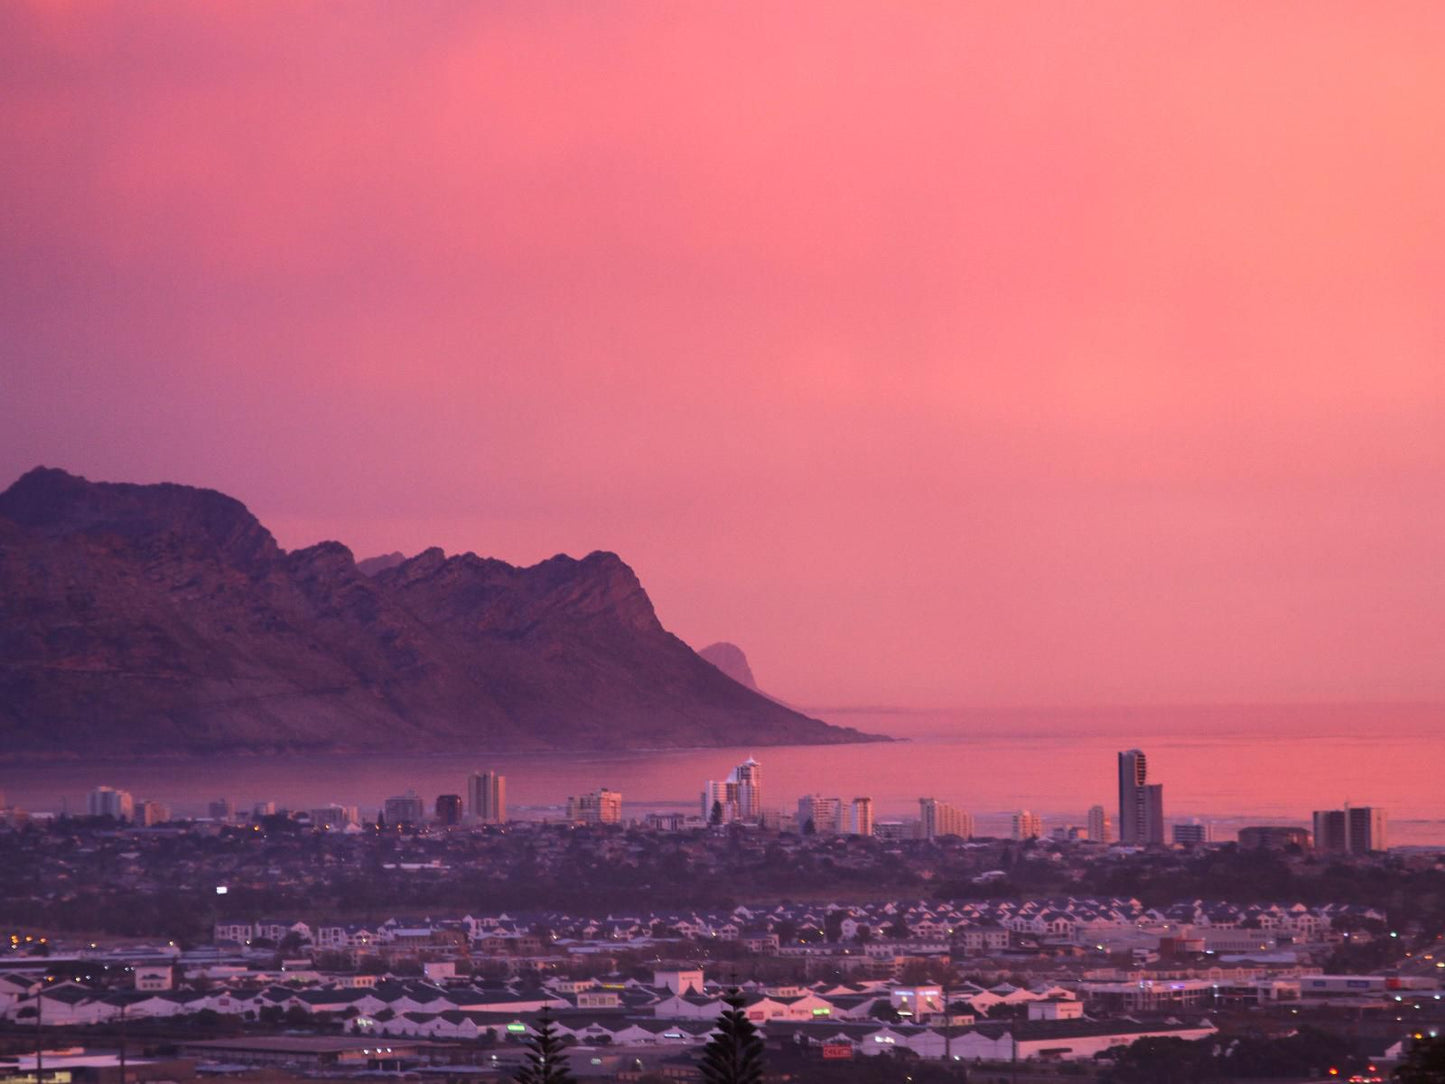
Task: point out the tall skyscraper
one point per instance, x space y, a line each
749 777
487 797
941 819
600 807
1101 829
1027 825
1141 804
860 819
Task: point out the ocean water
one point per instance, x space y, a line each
1227 766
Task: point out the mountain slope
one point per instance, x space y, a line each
165 619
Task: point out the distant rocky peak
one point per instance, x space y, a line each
370 566
729 658
425 564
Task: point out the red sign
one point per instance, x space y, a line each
832 1051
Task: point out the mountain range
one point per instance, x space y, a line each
165 619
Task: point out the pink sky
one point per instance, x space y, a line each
944 354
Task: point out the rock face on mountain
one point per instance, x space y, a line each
165 619
370 566
729 658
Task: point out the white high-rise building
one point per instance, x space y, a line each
860 817
108 802
825 814
1027 825
739 797
719 802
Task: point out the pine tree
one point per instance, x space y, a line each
1425 1064
734 1055
545 1063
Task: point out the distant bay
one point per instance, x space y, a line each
1227 766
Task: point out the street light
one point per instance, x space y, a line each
39 990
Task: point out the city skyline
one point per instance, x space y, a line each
1352 830
1358 828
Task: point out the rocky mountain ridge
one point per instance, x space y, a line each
164 619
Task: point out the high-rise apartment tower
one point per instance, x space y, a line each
941 819
1101 829
860 820
1141 804
487 798
1027 825
600 807
1352 830
739 797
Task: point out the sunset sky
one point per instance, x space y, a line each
956 354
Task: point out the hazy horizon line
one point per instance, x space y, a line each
898 709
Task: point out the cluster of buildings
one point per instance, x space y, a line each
1124 972
879 940
485 803
738 799
675 1010
600 807
121 805
1141 822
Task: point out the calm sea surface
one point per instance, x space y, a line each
1225 766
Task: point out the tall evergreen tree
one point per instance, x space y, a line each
546 1062
734 1055
1425 1064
